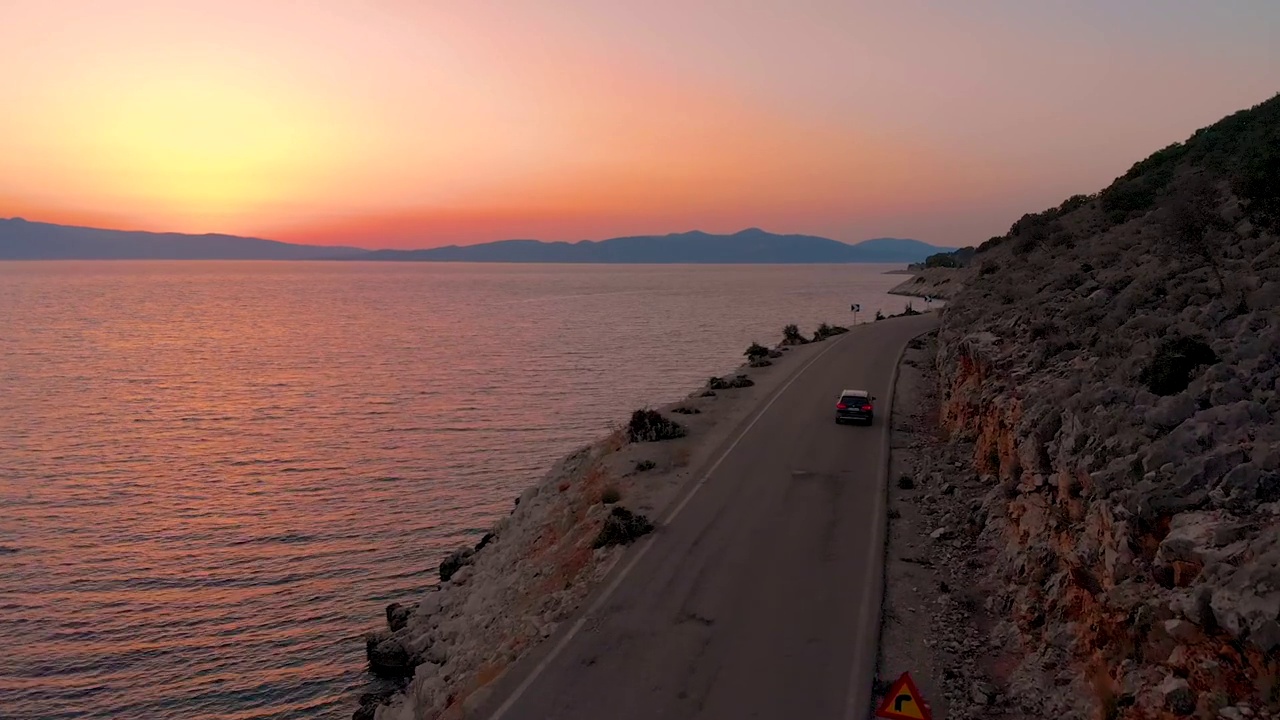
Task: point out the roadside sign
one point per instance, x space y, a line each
904 701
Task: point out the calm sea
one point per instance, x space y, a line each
215 475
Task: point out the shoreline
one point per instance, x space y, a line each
502 599
940 283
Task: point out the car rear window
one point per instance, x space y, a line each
854 400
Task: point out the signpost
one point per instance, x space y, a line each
904 701
855 308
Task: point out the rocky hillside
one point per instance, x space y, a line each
1115 362
940 282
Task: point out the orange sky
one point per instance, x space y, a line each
393 123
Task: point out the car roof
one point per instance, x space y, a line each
855 392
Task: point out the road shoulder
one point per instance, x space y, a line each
935 622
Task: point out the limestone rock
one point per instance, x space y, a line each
388 656
398 615
1181 630
455 562
1177 696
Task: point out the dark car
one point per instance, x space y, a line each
855 406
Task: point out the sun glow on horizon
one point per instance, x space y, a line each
211 148
403 123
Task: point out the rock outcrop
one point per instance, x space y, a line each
1115 363
737 381
495 601
942 283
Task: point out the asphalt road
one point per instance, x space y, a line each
761 597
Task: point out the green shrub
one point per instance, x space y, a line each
1074 202
622 527
992 243
941 260
651 426
825 331
755 351
1259 185
1160 162
1175 360
791 335
1136 191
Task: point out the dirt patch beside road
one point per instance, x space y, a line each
938 622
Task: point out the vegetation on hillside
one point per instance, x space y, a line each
1239 155
955 259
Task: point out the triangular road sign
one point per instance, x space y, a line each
904 701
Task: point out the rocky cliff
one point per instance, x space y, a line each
1115 363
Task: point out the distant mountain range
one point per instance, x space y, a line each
748 246
23 240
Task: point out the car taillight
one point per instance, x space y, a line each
841 406
867 408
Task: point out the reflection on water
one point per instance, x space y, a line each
213 476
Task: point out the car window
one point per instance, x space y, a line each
853 400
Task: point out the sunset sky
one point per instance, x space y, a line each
399 123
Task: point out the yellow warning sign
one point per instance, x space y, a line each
904 701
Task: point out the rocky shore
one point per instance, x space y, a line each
1091 503
508 593
941 283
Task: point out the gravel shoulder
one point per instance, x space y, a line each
938 621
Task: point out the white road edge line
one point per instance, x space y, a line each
858 676
648 543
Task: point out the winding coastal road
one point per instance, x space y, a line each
760 596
